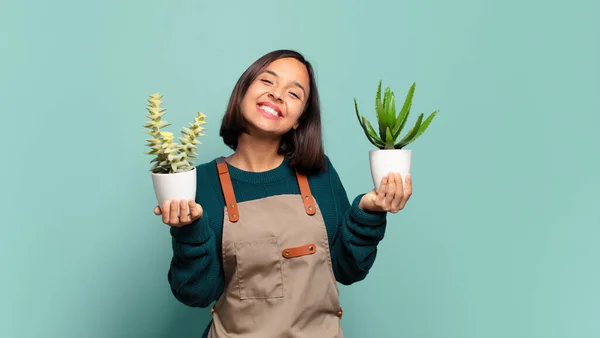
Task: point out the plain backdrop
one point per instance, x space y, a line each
500 238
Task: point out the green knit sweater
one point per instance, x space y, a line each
195 273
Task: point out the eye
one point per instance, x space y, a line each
295 95
266 81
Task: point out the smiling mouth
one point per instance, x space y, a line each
269 110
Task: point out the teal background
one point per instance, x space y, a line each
499 239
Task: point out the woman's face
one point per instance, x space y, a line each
277 97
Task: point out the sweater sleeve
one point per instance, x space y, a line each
359 232
195 271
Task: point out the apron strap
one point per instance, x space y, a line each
227 187
307 197
231 204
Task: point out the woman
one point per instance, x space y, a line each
272 229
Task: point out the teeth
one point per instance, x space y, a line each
269 110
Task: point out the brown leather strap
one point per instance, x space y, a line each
307 198
227 187
298 251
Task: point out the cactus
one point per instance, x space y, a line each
169 156
391 125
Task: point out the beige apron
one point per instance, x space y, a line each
278 276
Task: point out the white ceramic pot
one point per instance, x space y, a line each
384 161
175 186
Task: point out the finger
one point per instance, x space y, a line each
174 217
166 211
157 210
184 217
200 210
195 209
407 191
390 192
398 194
380 199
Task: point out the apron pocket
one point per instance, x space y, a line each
259 272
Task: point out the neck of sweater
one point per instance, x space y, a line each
262 177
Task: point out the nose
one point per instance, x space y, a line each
275 95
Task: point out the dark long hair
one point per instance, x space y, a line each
302 146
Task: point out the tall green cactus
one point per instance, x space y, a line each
391 125
170 157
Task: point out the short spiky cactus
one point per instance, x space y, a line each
170 157
390 125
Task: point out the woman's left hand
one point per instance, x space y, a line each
392 195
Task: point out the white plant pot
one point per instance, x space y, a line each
384 161
175 186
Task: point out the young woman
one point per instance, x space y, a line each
272 229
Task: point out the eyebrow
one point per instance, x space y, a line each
295 82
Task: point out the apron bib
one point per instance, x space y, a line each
279 280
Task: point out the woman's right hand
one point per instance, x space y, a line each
169 212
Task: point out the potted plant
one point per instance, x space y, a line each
391 155
173 173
